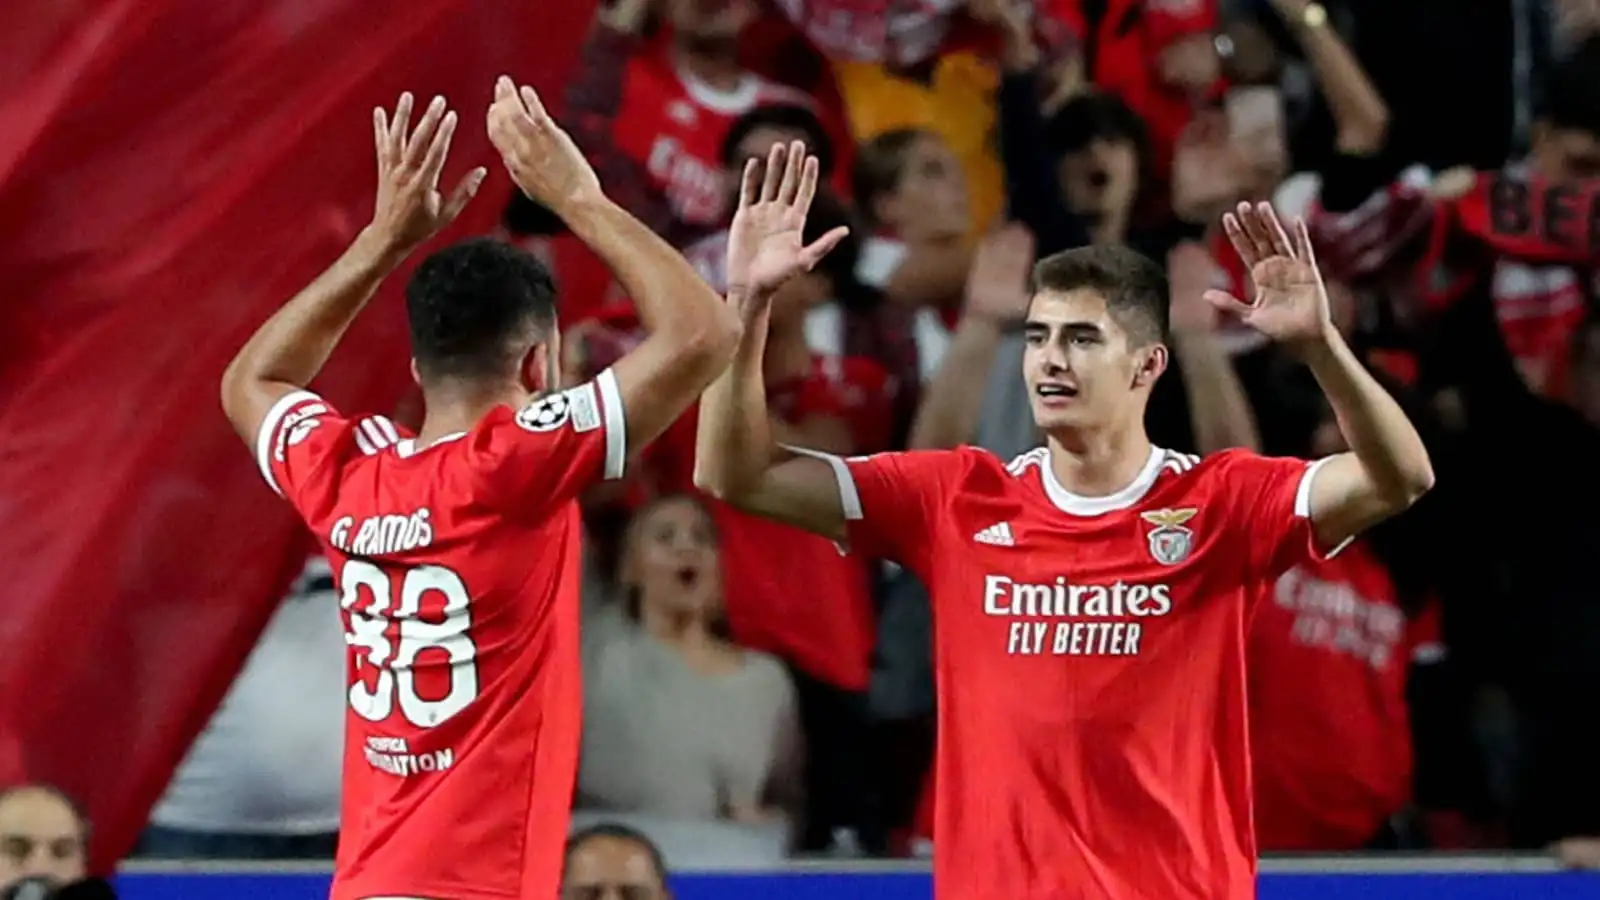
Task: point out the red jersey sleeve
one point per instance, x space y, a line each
303 439
539 457
892 501
1271 502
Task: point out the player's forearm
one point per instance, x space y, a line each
293 345
1384 441
1219 411
673 301
734 444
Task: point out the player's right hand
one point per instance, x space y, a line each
542 159
410 209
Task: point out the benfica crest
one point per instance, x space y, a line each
1170 542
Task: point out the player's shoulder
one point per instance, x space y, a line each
1224 469
308 428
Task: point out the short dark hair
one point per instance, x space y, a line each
1092 117
475 307
619 832
1134 286
1572 89
880 165
785 116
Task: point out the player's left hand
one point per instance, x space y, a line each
1291 304
765 243
410 209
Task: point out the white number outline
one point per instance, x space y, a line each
394 659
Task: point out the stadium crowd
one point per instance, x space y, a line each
751 693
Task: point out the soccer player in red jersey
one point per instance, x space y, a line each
457 549
1090 596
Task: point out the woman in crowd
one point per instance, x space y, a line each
680 724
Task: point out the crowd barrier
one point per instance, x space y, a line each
1496 877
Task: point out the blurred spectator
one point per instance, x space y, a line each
678 721
262 780
1455 248
609 861
1158 58
43 835
658 86
924 66
913 199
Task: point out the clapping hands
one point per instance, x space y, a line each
409 208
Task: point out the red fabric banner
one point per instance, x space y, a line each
170 172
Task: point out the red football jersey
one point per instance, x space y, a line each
673 125
1089 656
458 568
1329 724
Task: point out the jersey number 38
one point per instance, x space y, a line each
394 637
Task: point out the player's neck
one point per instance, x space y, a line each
719 69
1098 463
456 409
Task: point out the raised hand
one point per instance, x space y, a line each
765 243
542 159
1290 304
997 286
410 209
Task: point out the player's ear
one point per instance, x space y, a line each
1152 362
416 373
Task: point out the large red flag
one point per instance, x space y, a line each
170 172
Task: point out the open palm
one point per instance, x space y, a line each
1290 303
766 244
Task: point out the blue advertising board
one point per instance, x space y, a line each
1342 878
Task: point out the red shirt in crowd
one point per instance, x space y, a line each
1125 42
655 132
461 736
1090 662
1329 656
1532 245
788 592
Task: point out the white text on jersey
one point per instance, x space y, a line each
392 755
379 535
1021 601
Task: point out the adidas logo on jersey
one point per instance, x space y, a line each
998 535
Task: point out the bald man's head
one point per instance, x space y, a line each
613 862
42 835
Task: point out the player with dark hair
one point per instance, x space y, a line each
1090 596
457 550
